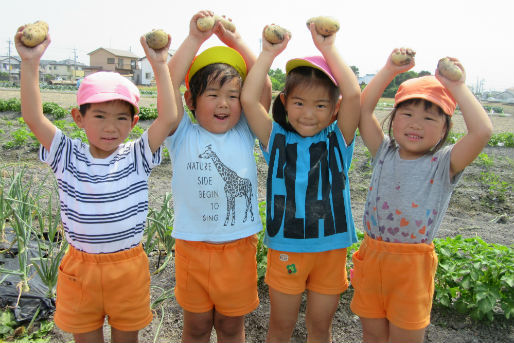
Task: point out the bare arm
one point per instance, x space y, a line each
31 104
369 127
166 106
235 41
181 61
256 113
478 124
348 112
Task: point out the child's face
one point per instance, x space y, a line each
218 108
417 130
309 109
107 125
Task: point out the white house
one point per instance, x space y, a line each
13 63
146 76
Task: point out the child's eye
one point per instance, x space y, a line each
298 103
322 106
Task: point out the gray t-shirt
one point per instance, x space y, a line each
407 199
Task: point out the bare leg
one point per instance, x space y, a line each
118 336
375 330
96 336
229 329
197 327
399 335
318 318
283 315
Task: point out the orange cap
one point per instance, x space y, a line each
427 88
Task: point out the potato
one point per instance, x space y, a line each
325 26
400 58
205 23
449 69
227 24
157 39
275 34
33 34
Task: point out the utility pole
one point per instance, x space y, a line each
9 58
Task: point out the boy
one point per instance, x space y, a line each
214 188
103 193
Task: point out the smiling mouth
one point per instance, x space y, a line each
413 137
221 116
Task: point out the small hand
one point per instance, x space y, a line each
193 28
27 53
448 82
156 56
405 55
229 38
321 42
276 48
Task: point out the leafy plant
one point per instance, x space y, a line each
502 139
54 109
12 332
475 277
148 113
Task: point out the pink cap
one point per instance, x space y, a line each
317 62
107 86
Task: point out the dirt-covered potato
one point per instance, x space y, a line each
449 69
325 26
157 39
34 33
400 58
205 23
275 34
227 24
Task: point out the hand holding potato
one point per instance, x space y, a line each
156 55
450 68
403 56
274 48
275 34
34 34
207 23
325 26
30 53
157 39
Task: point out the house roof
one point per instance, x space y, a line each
116 52
6 58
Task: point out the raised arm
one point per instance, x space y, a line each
478 124
256 113
349 109
166 102
235 41
181 60
369 127
31 104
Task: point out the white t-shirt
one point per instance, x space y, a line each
104 202
214 182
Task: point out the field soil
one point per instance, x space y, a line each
474 210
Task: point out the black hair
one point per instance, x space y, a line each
84 107
212 73
388 120
307 77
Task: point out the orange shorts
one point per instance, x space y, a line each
394 281
321 272
92 286
221 276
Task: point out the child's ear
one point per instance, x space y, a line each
337 107
283 98
77 116
189 99
135 120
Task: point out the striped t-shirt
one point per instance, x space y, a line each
104 202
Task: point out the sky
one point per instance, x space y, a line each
479 33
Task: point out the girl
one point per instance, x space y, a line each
412 181
309 151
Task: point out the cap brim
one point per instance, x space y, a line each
300 62
104 97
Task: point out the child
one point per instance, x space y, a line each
412 181
214 187
103 190
309 149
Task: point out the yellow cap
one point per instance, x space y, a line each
217 54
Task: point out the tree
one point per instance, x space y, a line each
278 79
355 70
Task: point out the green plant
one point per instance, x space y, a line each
158 232
54 109
497 189
10 105
148 113
10 331
475 277
485 160
502 139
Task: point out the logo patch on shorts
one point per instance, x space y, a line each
291 269
283 257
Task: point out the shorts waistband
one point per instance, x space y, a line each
398 248
105 258
216 246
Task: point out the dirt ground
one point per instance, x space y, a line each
473 211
